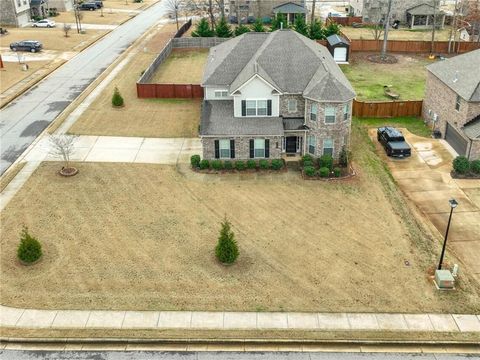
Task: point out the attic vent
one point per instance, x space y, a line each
455 79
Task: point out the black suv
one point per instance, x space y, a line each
393 142
26 45
88 6
99 3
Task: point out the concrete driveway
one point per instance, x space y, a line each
425 179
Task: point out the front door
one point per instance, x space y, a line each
291 145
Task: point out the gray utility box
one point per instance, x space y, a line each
444 279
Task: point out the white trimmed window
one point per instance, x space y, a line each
292 105
328 147
259 148
251 107
221 94
224 146
262 107
330 114
313 112
256 107
312 143
346 112
457 103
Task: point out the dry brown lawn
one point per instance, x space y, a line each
129 4
140 117
123 236
401 34
110 17
12 73
183 66
52 39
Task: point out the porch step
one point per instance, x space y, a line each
293 165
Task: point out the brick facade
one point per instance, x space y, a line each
242 146
284 99
441 100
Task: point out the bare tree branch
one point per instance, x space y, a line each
63 147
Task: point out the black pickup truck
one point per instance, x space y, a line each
393 142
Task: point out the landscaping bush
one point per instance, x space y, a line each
195 161
325 161
222 30
216 164
251 164
228 165
277 164
461 165
240 165
226 250
307 163
30 249
204 164
241 29
117 99
475 166
264 164
203 29
324 172
307 157
343 160
337 172
309 171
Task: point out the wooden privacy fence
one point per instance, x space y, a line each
387 108
409 46
345 21
169 91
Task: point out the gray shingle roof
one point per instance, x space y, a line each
293 124
472 128
289 61
424 9
218 120
336 39
289 8
460 73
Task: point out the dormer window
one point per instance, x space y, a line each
256 107
292 105
221 94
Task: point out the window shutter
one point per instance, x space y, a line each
252 149
267 148
232 149
217 149
244 107
269 107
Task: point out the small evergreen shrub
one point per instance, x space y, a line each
251 164
343 159
277 164
240 165
461 165
30 249
216 164
323 172
475 166
264 164
203 29
325 161
204 164
309 171
195 161
226 250
307 157
117 99
307 163
228 165
336 172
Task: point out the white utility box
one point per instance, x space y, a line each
444 279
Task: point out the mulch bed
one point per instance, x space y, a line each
70 171
470 175
379 59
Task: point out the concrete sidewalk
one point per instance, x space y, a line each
195 320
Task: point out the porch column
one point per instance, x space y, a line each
443 21
413 20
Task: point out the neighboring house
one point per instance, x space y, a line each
452 101
376 10
60 5
269 95
14 12
356 7
243 9
422 17
290 10
39 8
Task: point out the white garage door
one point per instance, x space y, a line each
340 54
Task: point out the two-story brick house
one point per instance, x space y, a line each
273 94
452 101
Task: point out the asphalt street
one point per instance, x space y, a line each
151 355
28 115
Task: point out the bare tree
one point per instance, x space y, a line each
376 29
221 6
63 147
211 14
385 31
173 9
312 17
434 27
66 29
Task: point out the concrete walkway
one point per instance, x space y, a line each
86 319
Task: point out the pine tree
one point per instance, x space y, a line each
300 25
258 26
203 29
241 29
223 29
117 99
332 29
278 22
30 249
315 30
226 250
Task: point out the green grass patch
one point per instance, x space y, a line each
413 124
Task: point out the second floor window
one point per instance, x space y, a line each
313 112
458 102
329 114
346 111
221 94
292 105
256 107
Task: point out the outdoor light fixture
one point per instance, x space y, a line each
453 205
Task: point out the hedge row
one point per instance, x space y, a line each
263 164
462 166
322 172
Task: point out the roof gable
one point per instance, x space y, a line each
424 9
289 8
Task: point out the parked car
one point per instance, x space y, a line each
99 3
91 6
44 23
393 142
26 45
